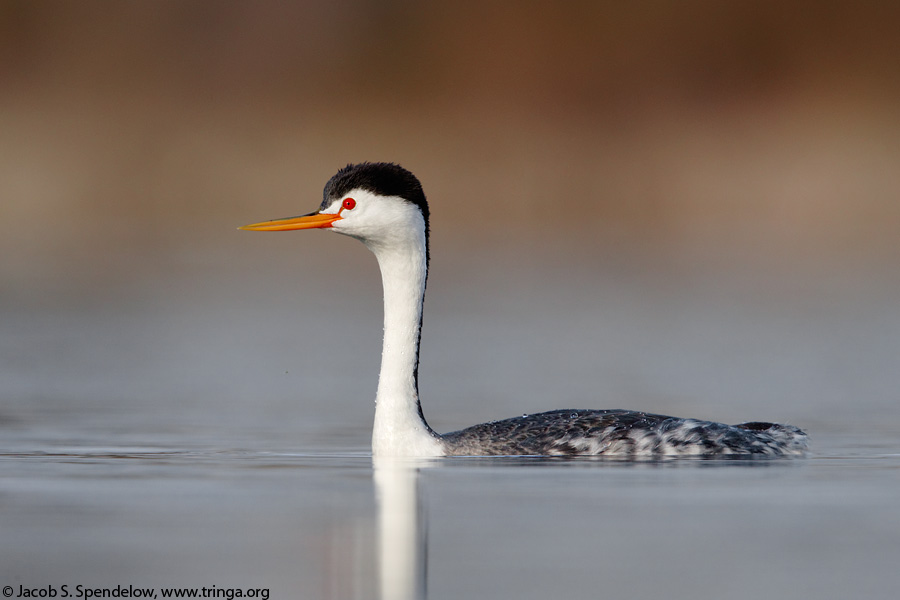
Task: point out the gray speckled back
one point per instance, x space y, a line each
622 433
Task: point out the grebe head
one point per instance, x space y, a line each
381 204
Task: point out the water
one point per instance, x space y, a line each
304 525
169 433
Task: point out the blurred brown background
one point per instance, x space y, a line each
684 207
707 126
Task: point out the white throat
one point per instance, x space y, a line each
400 429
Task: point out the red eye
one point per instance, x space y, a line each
349 203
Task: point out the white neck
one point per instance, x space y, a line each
400 429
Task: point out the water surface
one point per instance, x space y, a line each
219 437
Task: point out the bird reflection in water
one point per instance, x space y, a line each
402 529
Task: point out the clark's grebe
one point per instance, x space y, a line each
383 206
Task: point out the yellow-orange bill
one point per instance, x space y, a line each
313 221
